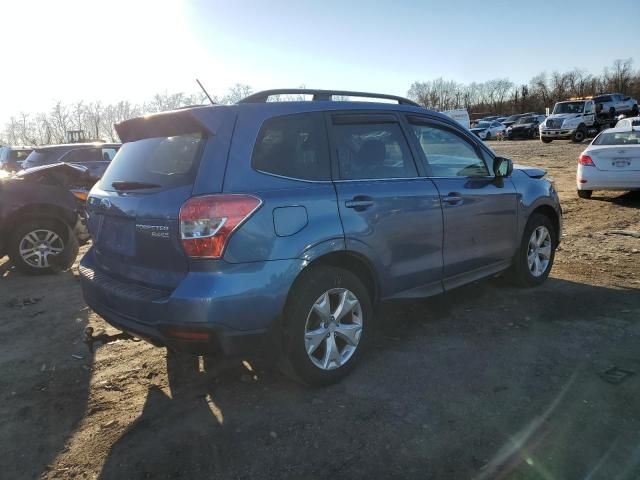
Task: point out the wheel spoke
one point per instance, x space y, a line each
323 307
538 265
347 302
350 332
33 238
44 259
331 354
314 339
545 252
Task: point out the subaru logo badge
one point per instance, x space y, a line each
105 203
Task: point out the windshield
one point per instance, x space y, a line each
568 107
483 124
512 118
165 162
618 138
523 120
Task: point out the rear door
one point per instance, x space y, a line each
390 212
480 213
134 209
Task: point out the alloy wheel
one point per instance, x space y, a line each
539 251
333 328
37 246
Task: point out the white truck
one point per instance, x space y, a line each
574 119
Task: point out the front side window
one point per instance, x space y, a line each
108 154
293 146
448 154
372 151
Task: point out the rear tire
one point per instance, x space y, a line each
585 193
312 323
43 245
634 110
523 273
546 140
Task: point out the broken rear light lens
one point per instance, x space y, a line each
585 160
207 222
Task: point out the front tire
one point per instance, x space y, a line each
546 140
43 245
535 256
326 320
487 137
585 193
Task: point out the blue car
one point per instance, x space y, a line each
282 224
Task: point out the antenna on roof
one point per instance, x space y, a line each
205 92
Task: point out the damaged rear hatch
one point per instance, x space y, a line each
134 209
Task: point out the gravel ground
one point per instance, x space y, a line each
486 382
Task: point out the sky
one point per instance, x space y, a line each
111 50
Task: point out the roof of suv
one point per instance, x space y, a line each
202 116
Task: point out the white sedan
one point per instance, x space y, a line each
611 162
628 122
487 130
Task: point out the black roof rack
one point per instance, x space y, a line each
322 95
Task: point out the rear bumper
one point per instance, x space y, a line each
228 309
590 178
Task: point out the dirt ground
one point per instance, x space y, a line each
485 382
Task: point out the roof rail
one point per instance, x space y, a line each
322 95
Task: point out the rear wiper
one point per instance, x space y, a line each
124 185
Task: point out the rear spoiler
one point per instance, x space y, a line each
176 122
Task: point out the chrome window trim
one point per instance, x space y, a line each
290 178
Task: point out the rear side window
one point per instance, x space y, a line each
163 161
372 150
293 146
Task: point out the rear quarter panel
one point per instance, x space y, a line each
277 230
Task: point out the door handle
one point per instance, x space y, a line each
359 203
453 198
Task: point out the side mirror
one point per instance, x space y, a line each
502 167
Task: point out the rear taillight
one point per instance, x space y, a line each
207 222
585 160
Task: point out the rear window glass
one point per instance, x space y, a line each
165 161
42 157
602 99
618 138
19 155
80 155
293 146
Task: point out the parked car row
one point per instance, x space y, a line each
523 125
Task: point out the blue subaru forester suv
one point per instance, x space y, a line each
221 229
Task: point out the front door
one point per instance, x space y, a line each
389 211
480 211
